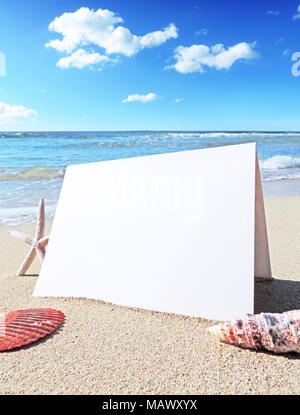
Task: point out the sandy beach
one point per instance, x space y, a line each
107 349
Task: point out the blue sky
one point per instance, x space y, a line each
198 64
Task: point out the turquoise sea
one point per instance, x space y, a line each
32 164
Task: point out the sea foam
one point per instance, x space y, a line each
32 173
280 162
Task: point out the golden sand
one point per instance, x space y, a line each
107 349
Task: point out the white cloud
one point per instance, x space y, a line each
296 67
13 114
273 12
194 58
178 100
286 52
203 32
82 27
141 98
157 38
297 16
101 28
81 58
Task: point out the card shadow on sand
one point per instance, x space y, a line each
276 296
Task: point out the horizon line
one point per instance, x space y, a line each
150 130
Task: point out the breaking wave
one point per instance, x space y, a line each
244 134
32 173
280 162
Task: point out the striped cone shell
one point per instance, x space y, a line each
277 332
21 327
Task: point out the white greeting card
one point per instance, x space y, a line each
181 232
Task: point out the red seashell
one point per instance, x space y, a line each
21 327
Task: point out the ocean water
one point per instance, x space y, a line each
32 164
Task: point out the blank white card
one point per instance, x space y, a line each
181 232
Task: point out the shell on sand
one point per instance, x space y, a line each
277 332
21 327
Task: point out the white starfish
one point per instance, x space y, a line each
38 243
